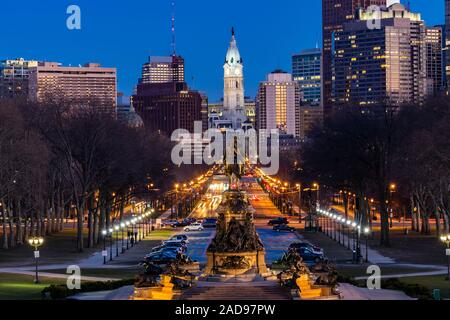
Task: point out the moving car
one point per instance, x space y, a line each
283 227
298 245
194 227
209 223
162 257
278 221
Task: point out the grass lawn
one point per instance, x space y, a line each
57 248
60 248
21 287
360 271
431 282
106 273
412 248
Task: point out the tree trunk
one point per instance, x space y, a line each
80 222
91 222
384 234
19 224
413 214
4 228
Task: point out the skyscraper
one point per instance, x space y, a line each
334 14
278 102
447 41
385 65
307 70
434 60
163 69
14 78
166 107
88 84
164 100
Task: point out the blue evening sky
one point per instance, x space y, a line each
123 33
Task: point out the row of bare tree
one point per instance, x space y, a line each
366 151
58 160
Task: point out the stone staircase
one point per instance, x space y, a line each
260 290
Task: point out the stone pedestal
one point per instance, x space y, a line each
163 292
255 262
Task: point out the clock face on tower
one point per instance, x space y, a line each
237 72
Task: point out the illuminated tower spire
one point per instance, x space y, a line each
174 44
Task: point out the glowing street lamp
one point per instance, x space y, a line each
36 242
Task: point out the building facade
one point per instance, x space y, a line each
307 71
434 61
334 14
89 84
382 65
166 107
215 111
278 104
163 69
447 42
14 78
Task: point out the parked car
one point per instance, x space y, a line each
298 245
174 241
177 246
309 256
162 257
283 227
167 249
194 227
168 222
181 224
278 221
209 223
180 237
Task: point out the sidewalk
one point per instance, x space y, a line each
350 292
374 256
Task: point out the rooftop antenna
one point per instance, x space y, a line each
174 47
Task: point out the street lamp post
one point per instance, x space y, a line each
446 239
122 227
110 233
127 224
117 228
36 242
299 186
104 233
367 232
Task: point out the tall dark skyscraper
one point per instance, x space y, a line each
334 14
164 101
447 41
163 70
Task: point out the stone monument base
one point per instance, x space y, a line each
254 262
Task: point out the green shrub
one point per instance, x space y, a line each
413 290
58 292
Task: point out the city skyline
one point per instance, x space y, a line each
104 40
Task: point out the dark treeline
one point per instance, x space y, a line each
370 151
58 160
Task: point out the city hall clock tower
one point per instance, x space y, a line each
233 92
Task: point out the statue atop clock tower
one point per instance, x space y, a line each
233 92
